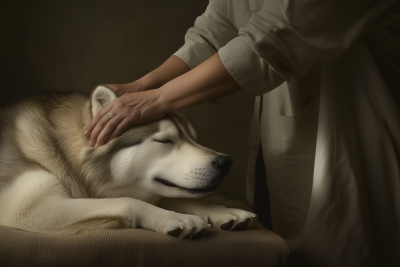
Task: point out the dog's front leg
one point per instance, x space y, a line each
38 202
219 216
75 215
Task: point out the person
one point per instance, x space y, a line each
326 76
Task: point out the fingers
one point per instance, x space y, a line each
127 111
104 128
121 128
120 89
117 88
96 119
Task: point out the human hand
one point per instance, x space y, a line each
122 113
133 87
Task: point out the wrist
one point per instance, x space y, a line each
151 80
143 84
169 70
161 100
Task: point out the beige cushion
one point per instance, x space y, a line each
137 247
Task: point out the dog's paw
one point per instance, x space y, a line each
230 219
183 225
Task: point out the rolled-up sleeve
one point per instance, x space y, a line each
212 30
287 37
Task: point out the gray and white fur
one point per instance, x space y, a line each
52 181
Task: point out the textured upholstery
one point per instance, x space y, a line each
137 247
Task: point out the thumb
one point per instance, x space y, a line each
117 88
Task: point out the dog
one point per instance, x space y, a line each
52 181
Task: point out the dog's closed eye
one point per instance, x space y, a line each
164 141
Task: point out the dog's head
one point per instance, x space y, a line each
158 159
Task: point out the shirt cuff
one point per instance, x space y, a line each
249 70
193 55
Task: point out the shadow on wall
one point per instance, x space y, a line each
76 45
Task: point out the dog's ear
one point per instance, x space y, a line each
177 116
100 97
192 131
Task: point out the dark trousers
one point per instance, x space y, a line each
261 194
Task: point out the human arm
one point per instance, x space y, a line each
170 69
208 81
211 31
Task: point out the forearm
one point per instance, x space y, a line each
170 69
208 81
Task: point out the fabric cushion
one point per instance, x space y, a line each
255 246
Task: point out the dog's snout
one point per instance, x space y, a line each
222 163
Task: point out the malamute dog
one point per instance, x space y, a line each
52 181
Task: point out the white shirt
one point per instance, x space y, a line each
329 126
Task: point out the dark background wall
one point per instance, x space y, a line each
49 45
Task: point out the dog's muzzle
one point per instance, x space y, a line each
219 168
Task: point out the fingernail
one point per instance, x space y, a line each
90 143
85 133
96 146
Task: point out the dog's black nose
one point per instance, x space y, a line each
222 163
